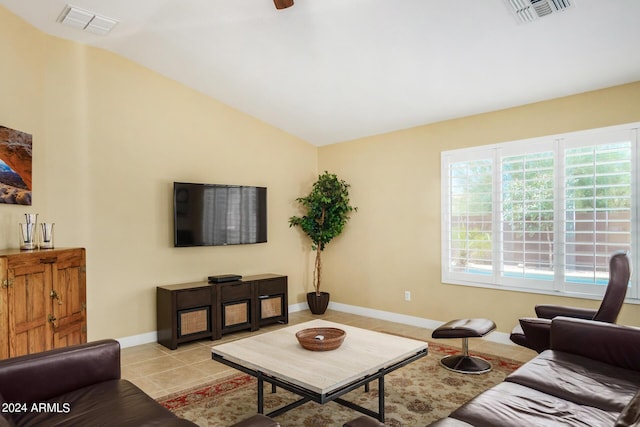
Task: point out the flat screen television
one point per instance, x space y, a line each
218 215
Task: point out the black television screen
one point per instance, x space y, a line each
216 215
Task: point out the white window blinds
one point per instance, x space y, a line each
541 215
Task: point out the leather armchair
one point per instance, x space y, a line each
534 333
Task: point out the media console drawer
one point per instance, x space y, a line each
193 298
272 286
234 291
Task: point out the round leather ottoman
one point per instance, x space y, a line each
465 329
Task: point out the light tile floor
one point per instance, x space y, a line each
161 372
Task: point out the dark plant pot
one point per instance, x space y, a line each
318 303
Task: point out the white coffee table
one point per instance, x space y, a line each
320 376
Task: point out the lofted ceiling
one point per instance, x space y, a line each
329 71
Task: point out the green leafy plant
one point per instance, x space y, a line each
327 212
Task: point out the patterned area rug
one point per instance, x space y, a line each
415 395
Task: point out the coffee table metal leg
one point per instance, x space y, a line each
260 393
381 399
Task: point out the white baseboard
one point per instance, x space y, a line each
498 337
301 306
385 315
135 340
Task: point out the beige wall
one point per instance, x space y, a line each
392 243
110 137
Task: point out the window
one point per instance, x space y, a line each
471 218
541 215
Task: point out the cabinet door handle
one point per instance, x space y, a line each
55 295
52 319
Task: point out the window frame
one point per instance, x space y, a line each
557 144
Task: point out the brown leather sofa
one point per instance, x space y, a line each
589 377
76 386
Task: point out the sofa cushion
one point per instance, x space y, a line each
578 379
609 343
508 402
110 403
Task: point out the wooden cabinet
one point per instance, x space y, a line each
185 313
42 300
271 300
236 308
212 309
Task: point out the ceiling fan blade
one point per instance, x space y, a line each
283 4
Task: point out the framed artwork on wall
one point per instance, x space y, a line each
15 166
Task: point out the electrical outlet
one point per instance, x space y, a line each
407 295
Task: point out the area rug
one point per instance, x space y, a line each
415 395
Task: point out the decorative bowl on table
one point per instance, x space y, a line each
321 339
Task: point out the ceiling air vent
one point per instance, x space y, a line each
86 20
530 10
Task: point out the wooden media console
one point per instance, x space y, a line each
192 311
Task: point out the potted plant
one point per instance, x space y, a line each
327 212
